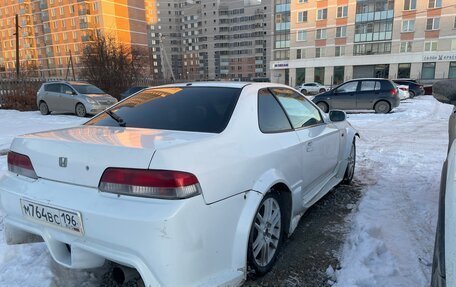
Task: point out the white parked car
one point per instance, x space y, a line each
403 92
312 88
188 183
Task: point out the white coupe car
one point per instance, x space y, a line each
188 183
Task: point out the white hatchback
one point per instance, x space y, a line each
188 183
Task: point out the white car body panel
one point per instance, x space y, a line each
199 241
450 218
403 92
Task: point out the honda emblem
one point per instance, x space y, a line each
63 161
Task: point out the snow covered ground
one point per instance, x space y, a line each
392 229
400 157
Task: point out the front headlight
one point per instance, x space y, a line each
91 101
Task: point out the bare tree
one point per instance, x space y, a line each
111 65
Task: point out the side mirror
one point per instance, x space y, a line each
337 116
445 91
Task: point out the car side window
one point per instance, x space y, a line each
367 85
349 87
55 88
66 89
299 110
271 117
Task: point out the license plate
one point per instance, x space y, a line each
63 218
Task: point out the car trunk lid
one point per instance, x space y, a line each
80 155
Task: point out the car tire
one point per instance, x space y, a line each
382 107
412 94
44 109
323 106
304 92
350 170
322 90
80 110
266 234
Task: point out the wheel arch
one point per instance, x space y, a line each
270 181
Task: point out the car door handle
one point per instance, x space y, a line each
309 147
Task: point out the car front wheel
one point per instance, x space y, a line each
81 110
266 234
304 91
350 171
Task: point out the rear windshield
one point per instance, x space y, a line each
87 89
194 109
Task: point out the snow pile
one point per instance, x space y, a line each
400 157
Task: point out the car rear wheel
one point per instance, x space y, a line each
304 91
323 106
81 110
266 234
412 94
350 171
322 90
382 107
44 109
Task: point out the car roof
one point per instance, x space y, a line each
212 84
73 83
369 79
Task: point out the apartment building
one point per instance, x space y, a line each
330 41
50 29
212 40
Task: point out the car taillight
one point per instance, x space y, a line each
393 92
21 164
166 184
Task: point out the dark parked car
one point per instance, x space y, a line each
130 92
415 89
444 263
380 95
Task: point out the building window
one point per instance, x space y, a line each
430 46
322 14
452 71
319 75
408 25
341 32
303 1
302 16
301 35
428 71
319 52
454 23
433 24
435 3
300 75
339 75
320 34
403 71
406 47
339 51
342 11
409 4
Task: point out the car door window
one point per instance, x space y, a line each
66 89
349 87
55 88
271 117
299 110
368 85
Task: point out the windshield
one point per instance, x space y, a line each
88 89
195 109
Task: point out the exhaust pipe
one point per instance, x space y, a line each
122 274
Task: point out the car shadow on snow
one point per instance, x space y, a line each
310 256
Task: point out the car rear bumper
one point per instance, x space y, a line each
169 242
